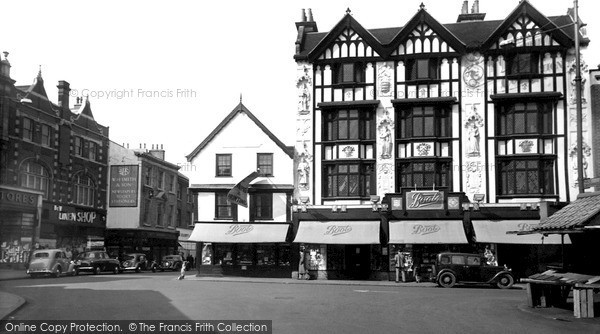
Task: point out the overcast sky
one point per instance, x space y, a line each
167 72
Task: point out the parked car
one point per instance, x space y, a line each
455 268
135 261
173 262
51 262
97 262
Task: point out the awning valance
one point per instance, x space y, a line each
338 232
427 232
239 233
491 231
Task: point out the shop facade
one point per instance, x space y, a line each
155 244
20 214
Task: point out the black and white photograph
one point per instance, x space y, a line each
343 166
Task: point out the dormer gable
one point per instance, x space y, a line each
424 34
348 39
525 26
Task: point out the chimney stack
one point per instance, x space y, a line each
157 152
475 15
63 94
305 26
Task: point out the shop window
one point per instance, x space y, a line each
263 206
284 259
35 176
266 255
349 180
424 174
84 190
422 69
27 129
224 254
526 177
424 121
224 209
245 254
224 165
525 118
348 124
264 163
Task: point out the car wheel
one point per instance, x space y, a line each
138 269
153 269
97 270
447 280
505 281
116 270
57 272
76 272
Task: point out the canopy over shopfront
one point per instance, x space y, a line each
508 232
239 233
338 232
427 232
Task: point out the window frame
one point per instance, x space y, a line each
45 139
222 203
262 203
441 121
78 146
84 193
533 64
438 176
28 128
267 170
508 178
221 169
364 121
414 72
341 75
364 177
507 118
31 179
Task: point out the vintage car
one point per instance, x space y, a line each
51 262
97 262
453 268
135 261
172 262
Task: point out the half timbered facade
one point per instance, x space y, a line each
458 129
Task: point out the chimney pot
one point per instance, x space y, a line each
310 16
465 7
303 15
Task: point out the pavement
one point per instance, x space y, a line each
9 302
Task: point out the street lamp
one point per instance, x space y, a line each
578 102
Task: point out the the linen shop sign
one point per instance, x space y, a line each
124 186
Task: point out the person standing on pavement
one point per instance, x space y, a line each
399 259
303 272
183 268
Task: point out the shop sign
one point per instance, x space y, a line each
18 198
525 227
425 200
334 230
78 216
123 186
237 229
423 229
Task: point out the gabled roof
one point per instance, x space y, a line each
422 16
574 216
240 108
346 22
540 19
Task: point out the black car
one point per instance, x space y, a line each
171 262
455 268
97 262
135 261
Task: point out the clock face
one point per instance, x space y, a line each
452 202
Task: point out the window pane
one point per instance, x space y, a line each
353 129
348 70
343 129
422 69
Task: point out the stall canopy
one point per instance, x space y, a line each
338 232
427 232
239 233
495 231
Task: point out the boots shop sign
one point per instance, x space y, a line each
425 200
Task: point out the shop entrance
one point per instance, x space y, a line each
358 261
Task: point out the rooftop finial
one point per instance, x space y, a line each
240 97
422 6
5 55
348 11
40 72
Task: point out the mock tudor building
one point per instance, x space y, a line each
431 137
242 177
53 171
150 208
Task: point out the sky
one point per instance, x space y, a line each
167 73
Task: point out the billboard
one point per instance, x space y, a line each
123 186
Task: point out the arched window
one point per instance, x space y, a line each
84 190
34 176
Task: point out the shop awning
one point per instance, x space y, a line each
427 232
239 233
495 231
338 232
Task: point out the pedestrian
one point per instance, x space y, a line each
183 268
303 272
399 259
190 260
